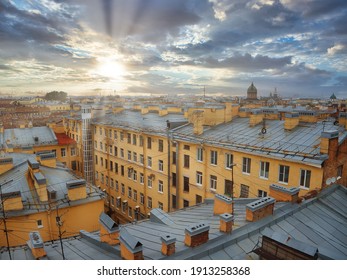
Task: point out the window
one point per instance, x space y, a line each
214 158
110 149
141 159
200 154
95 144
124 206
121 136
116 167
100 130
141 178
118 201
186 147
122 153
149 202
264 169
101 161
39 224
73 151
174 201
63 152
134 139
305 178
160 186
149 142
106 180
101 147
111 165
161 165
117 186
135 195
129 155
283 175
246 165
112 183
129 138
339 171
198 199
116 151
186 184
149 161
135 175
160 205
130 212
185 203
244 191
262 193
122 188
173 179
198 178
96 175
160 145
96 159
130 193
141 141
102 178
115 134
112 200
149 181
122 170
134 157
229 161
186 161
106 163
213 182
173 157
142 198
110 133
130 172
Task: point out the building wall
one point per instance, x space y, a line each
74 218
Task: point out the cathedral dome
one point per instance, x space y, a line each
252 89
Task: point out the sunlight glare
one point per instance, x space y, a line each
110 68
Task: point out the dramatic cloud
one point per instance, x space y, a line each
177 46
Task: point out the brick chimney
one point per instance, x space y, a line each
130 247
329 142
40 184
291 121
163 111
260 209
198 119
255 117
36 245
280 193
222 204
12 201
168 245
343 119
144 110
33 167
226 222
6 163
196 235
228 112
109 230
76 189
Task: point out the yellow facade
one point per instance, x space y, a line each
74 218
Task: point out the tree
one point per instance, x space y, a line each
56 95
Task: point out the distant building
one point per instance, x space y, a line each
252 93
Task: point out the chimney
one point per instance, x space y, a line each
47 159
308 116
259 209
222 204
280 193
198 122
40 183
144 110
12 201
196 235
163 111
291 121
228 112
226 222
117 109
244 112
76 189
255 117
168 245
130 247
329 142
33 167
6 164
36 245
109 230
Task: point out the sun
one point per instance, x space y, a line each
110 68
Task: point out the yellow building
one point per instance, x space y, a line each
44 198
146 159
35 140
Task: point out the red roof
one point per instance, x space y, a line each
63 139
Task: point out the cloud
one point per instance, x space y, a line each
337 49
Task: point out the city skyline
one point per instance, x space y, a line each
173 47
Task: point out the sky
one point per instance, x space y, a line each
137 47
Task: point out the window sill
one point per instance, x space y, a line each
264 178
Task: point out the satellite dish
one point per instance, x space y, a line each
333 179
328 181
